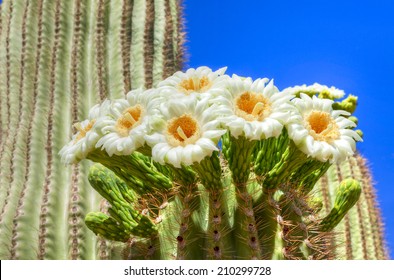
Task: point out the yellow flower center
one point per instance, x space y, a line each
195 84
322 126
129 119
83 130
252 106
182 130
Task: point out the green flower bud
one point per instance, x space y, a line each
349 104
348 194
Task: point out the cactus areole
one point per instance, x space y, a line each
208 166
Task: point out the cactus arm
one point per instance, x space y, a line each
353 226
109 186
365 212
106 226
347 195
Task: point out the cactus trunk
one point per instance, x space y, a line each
59 58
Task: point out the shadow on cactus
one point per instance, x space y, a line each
207 166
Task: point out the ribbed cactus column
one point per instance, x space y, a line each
360 233
57 59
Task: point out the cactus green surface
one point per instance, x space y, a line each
57 59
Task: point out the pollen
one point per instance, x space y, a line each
183 130
129 119
83 130
195 84
322 126
252 106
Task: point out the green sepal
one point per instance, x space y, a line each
268 153
239 155
348 193
209 171
292 159
353 119
184 176
309 173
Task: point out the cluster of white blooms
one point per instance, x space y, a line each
316 88
184 117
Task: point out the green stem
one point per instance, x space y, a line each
266 219
219 242
245 228
133 168
190 237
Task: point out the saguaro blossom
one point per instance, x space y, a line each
321 132
189 132
254 109
194 83
127 123
87 135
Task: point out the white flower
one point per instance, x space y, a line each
321 132
254 109
194 83
127 123
188 133
84 141
325 91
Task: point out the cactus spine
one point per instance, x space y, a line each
57 59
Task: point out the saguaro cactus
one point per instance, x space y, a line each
57 59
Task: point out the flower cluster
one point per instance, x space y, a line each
182 120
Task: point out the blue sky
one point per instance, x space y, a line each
347 44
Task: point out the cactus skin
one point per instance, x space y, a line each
57 59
